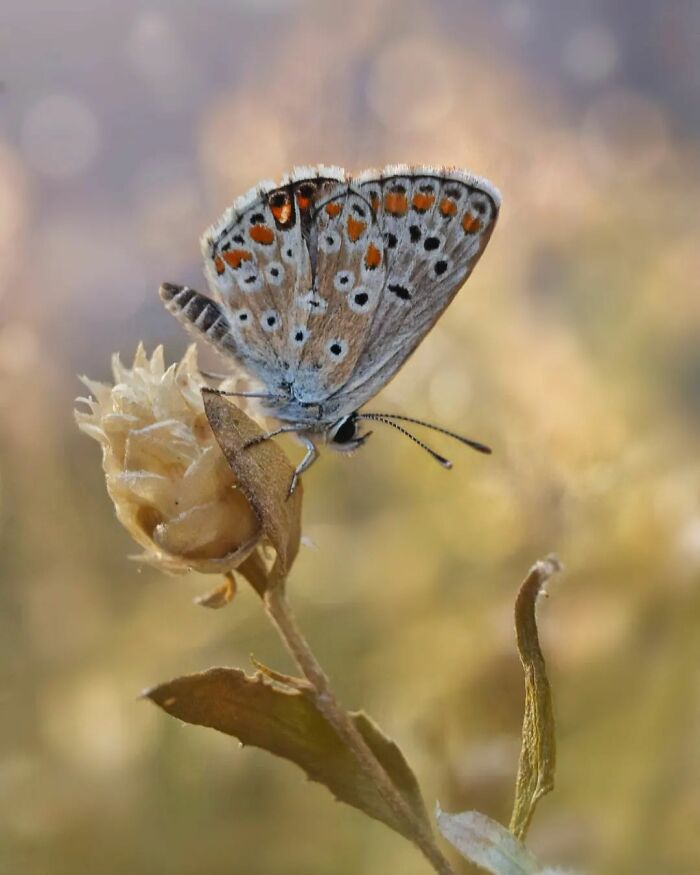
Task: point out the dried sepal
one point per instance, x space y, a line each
538 746
284 720
264 474
221 595
171 486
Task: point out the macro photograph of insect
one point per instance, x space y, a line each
349 437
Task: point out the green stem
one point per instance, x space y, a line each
281 614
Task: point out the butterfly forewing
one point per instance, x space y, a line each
434 226
259 266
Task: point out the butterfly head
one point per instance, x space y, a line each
344 435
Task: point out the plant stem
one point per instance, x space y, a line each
280 612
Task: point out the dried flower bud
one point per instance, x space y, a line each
170 483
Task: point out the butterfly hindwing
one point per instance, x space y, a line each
348 259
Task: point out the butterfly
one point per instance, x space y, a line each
326 283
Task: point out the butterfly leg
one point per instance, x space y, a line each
305 464
261 438
248 394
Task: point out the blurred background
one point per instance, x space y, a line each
125 129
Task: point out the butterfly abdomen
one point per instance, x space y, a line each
199 313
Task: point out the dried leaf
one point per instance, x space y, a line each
264 474
486 843
285 722
538 751
221 595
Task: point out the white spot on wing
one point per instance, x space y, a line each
360 300
312 302
329 241
343 281
337 349
270 321
274 273
298 335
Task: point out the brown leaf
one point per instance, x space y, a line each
285 722
538 751
221 595
264 474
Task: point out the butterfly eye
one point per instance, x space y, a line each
344 431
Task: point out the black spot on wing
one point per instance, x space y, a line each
440 267
400 291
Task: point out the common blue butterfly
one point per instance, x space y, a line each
325 284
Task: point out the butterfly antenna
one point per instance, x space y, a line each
374 417
475 445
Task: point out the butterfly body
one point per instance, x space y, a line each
324 285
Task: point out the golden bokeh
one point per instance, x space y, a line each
574 351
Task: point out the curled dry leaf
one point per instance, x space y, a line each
285 721
221 595
263 473
538 751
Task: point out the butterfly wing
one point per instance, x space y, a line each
435 225
259 268
324 287
348 277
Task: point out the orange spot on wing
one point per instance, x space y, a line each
262 234
448 207
373 257
374 201
333 209
395 203
304 202
282 213
422 202
235 257
470 224
218 264
355 228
